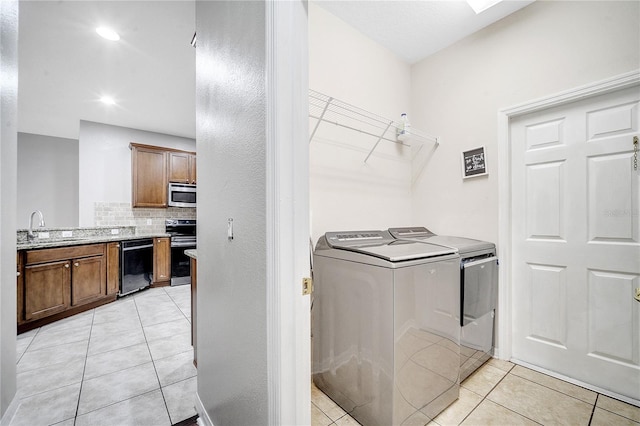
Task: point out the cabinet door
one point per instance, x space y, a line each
113 268
161 260
88 280
149 177
19 287
46 289
192 168
179 170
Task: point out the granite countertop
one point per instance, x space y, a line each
73 241
192 253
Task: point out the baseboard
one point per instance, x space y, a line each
203 419
11 411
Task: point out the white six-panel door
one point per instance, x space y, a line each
576 241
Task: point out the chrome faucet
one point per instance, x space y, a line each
30 234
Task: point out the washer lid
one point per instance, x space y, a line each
381 244
423 234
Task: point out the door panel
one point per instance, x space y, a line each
547 306
576 241
610 212
613 335
545 200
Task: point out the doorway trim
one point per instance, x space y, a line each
505 250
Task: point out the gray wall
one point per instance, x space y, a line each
47 179
8 174
231 135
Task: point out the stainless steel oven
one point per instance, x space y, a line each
183 237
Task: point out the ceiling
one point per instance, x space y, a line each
65 67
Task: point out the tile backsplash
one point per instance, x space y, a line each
146 220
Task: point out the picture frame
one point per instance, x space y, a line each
474 163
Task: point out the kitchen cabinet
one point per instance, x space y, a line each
88 280
182 167
46 289
149 176
161 261
60 282
20 287
153 167
113 268
194 309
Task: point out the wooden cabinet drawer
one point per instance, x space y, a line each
63 253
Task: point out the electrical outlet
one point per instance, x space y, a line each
67 234
149 222
43 235
115 231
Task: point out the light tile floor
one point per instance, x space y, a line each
502 393
130 363
126 363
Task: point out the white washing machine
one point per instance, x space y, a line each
386 331
478 293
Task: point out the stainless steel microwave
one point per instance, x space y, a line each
182 195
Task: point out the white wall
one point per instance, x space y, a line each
346 193
105 163
8 174
540 50
47 179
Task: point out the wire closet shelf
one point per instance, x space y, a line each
327 109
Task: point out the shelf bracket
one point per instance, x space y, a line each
326 106
378 141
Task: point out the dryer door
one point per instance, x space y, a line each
479 282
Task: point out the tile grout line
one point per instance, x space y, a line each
84 368
164 400
593 409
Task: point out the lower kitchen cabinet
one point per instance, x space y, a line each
60 282
88 280
113 268
47 289
194 309
161 261
20 287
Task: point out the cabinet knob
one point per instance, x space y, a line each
76 264
66 265
18 274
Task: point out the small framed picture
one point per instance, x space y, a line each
474 163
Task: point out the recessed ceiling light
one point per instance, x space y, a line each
482 5
108 33
107 100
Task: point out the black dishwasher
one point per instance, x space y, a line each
136 265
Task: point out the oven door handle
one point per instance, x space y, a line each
137 247
183 244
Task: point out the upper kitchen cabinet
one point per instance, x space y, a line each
153 168
149 176
182 167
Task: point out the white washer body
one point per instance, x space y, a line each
386 331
